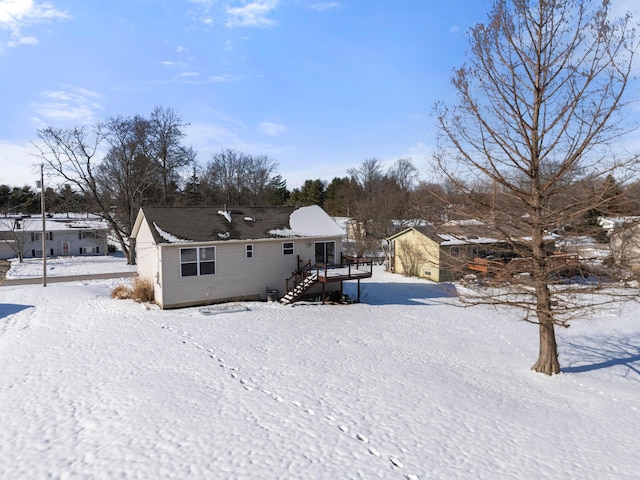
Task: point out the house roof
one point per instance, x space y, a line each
207 224
470 232
53 223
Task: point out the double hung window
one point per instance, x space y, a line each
197 261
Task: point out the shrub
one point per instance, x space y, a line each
142 290
121 292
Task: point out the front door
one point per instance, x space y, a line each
65 248
326 252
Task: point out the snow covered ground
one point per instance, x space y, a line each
402 386
60 266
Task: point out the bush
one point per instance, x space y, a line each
142 290
121 292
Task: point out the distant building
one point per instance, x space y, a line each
64 235
445 253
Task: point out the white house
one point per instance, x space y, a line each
65 235
200 255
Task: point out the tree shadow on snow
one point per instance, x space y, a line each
596 353
7 309
418 293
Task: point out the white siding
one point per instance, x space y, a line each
236 277
147 260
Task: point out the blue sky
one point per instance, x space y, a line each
317 85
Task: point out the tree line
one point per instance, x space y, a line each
114 167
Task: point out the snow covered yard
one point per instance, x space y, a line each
403 385
69 265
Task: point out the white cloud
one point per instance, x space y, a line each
188 74
253 14
217 79
18 15
325 6
271 129
17 164
76 105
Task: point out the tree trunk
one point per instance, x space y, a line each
548 357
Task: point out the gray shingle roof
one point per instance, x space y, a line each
202 224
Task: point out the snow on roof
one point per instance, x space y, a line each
464 222
448 239
225 214
310 221
609 223
53 224
168 236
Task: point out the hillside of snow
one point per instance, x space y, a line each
405 385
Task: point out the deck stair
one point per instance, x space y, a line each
299 288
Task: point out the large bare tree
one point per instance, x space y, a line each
73 154
165 135
540 105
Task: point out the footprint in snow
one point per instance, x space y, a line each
395 462
362 438
374 452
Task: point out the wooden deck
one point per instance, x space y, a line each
350 268
351 271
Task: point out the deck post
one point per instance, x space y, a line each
358 290
324 287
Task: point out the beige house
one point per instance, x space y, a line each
445 253
201 255
428 253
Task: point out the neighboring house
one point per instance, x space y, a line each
624 243
200 255
609 224
445 253
75 235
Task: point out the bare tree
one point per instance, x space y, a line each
126 177
165 135
235 178
71 154
14 225
404 173
540 103
368 174
377 201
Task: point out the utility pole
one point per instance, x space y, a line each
44 228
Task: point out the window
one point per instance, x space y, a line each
87 235
249 251
287 248
455 251
197 261
37 236
89 250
